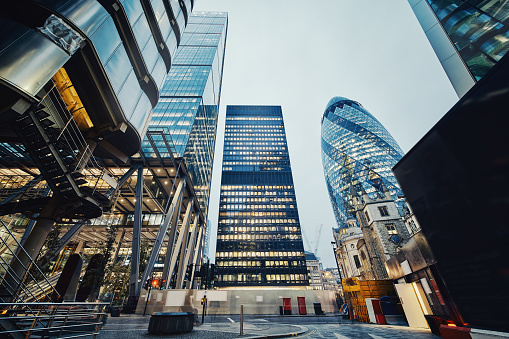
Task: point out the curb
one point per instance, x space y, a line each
280 335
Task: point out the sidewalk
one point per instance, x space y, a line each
136 326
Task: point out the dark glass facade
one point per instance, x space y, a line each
456 179
357 155
189 100
477 30
259 242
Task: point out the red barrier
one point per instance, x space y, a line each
301 301
379 315
287 306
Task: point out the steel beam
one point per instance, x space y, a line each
121 181
189 250
183 246
22 262
175 250
171 240
14 195
198 248
136 242
161 233
185 252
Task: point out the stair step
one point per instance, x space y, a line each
46 123
41 114
77 175
59 179
52 131
81 182
64 185
29 129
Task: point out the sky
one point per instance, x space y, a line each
299 54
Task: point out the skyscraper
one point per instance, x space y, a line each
357 155
259 242
78 80
468 36
187 109
169 194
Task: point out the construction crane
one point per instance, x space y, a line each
317 241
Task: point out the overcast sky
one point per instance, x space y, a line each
299 54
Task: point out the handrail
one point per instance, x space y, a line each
54 304
30 258
65 320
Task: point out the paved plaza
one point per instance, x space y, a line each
135 326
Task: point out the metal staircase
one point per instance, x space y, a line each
56 146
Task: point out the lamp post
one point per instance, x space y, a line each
334 248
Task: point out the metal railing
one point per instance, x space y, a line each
36 289
71 135
52 320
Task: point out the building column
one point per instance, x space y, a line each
79 248
136 243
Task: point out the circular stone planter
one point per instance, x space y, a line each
170 322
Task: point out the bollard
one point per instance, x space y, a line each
241 319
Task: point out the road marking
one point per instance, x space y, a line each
375 336
320 335
306 334
231 320
339 336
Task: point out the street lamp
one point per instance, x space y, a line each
334 248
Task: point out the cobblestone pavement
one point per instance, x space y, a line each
364 331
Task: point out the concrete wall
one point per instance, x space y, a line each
256 301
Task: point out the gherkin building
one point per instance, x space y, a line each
357 155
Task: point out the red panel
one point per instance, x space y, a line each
301 301
376 306
452 332
287 304
380 319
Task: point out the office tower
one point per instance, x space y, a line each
259 241
187 110
78 80
164 186
183 127
468 36
357 155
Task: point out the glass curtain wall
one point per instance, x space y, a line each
259 242
357 155
189 100
478 29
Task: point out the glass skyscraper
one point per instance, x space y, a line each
259 242
468 36
357 155
189 100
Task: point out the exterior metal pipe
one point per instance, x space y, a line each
135 253
195 248
171 240
189 247
158 241
175 250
